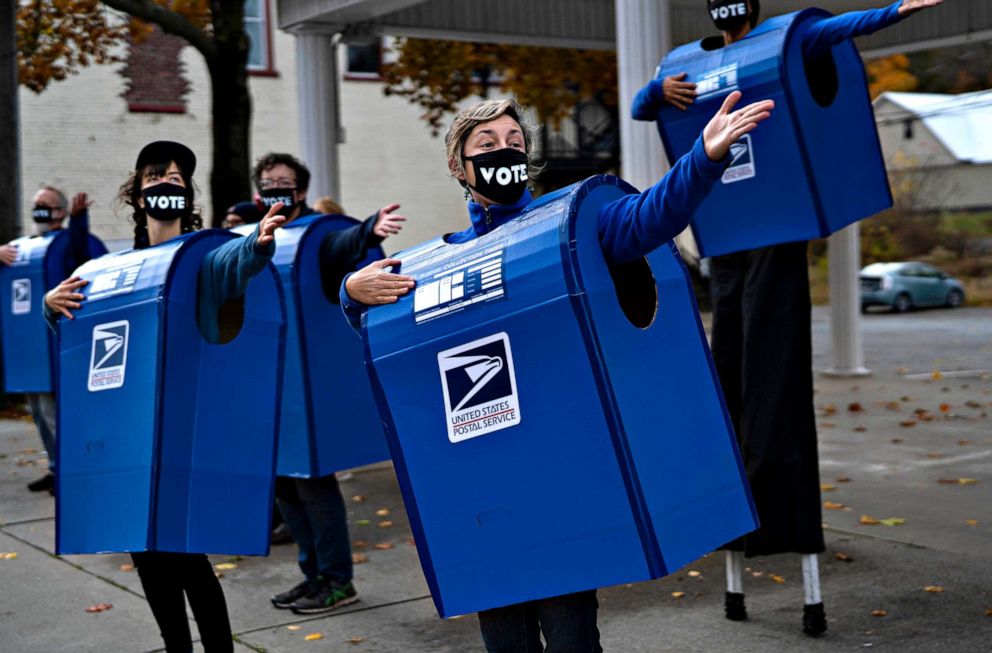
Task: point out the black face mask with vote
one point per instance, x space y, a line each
42 214
166 201
285 195
500 176
728 15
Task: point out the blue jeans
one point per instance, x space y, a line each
568 623
315 515
42 406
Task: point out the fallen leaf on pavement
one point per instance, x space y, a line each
757 574
385 524
831 505
382 512
879 613
971 522
694 574
363 522
902 370
358 498
359 544
8 556
988 613
907 423
99 607
827 487
860 429
933 589
896 440
384 546
843 557
359 558
356 640
678 595
963 442
777 578
293 627
971 403
127 566
855 407
945 408
829 409
893 521
827 425
868 521
935 454
224 566
936 375
967 481
843 479
313 636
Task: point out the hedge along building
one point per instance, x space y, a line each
642 31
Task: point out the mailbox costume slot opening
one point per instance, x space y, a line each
821 76
636 290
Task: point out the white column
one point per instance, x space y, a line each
644 37
320 122
844 253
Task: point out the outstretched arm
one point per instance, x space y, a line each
636 224
831 31
79 230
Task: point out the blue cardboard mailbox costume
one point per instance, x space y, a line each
813 170
171 444
28 343
328 420
544 443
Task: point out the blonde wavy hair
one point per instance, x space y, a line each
486 111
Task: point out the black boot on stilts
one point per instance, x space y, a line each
733 606
814 620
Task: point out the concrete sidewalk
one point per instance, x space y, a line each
902 441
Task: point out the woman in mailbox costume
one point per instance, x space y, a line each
761 339
492 136
164 170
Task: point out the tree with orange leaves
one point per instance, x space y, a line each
437 75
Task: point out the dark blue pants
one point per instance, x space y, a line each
567 622
315 515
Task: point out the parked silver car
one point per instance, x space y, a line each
908 285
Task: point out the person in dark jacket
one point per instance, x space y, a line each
761 339
492 136
51 207
312 508
164 169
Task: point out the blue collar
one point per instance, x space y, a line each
484 221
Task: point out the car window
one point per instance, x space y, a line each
929 271
908 271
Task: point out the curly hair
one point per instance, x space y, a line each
130 194
273 159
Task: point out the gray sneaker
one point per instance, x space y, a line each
285 600
328 596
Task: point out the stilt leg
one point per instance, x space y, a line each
814 617
734 608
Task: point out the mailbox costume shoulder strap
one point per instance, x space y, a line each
831 31
341 251
224 275
636 224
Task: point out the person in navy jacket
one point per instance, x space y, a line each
164 171
761 338
488 148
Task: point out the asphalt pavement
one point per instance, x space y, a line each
909 447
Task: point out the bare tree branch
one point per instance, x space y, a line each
169 21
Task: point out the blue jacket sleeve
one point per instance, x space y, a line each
648 100
826 33
636 224
224 275
79 240
353 310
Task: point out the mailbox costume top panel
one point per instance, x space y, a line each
816 165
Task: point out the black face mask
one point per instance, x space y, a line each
285 195
42 214
500 176
166 201
728 15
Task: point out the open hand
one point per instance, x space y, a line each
677 92
8 254
388 223
269 224
373 285
726 128
65 296
912 6
80 203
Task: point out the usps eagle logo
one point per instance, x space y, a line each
479 387
108 356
